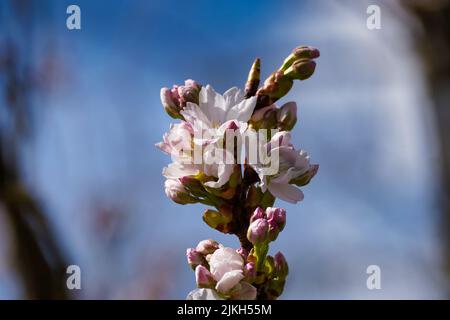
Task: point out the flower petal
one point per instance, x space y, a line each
195 116
212 105
246 292
233 96
259 114
176 170
224 260
285 177
203 294
224 173
286 192
242 111
229 280
280 139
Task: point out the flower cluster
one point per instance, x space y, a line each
225 273
233 152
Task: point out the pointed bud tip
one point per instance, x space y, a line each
257 214
232 125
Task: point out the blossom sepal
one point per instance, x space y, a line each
306 178
219 220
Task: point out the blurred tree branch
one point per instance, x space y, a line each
432 43
37 256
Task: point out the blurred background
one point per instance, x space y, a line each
80 178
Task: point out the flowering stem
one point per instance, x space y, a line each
210 199
243 196
242 216
242 223
261 252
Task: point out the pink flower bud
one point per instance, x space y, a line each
170 104
175 99
192 184
175 94
194 258
175 191
250 272
301 53
192 83
306 52
276 218
188 93
206 247
301 69
287 116
257 214
257 231
281 266
265 118
204 278
260 114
